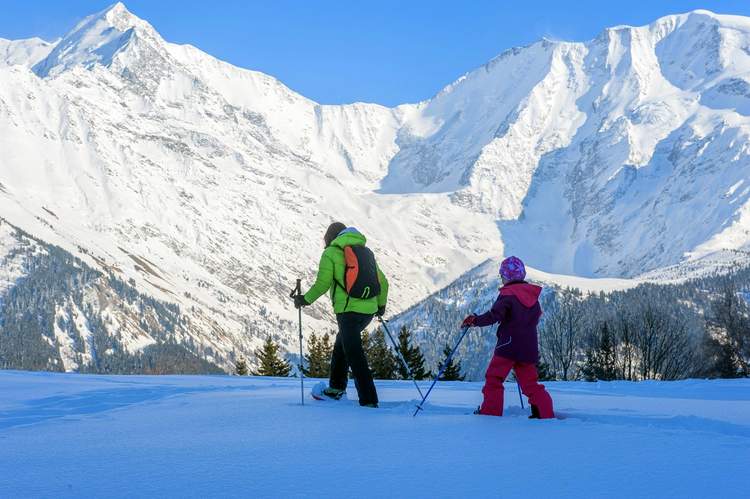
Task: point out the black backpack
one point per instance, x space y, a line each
360 274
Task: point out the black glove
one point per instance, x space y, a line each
381 311
299 301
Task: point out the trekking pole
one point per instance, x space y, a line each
519 392
442 369
400 355
297 291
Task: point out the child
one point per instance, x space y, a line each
517 311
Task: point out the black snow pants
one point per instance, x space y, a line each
348 352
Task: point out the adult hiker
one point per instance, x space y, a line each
517 311
358 290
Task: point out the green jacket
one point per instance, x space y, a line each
332 265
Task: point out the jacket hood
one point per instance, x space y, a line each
349 237
527 294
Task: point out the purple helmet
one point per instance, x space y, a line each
513 269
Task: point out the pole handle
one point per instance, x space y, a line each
297 289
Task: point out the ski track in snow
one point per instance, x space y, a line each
196 436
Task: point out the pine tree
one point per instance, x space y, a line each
383 362
366 344
319 357
271 363
544 372
312 357
607 354
327 347
720 359
590 364
601 358
412 355
240 367
452 371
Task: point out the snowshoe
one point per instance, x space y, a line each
323 392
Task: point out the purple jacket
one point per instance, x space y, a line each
518 311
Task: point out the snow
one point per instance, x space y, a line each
597 159
586 285
488 274
25 52
75 325
12 264
65 342
118 436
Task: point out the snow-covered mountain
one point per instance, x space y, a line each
208 186
605 158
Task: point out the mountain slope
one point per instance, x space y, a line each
209 186
60 314
590 154
222 179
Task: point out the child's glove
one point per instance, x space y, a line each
381 311
299 301
469 321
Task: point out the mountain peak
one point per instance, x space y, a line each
118 8
96 40
117 17
120 18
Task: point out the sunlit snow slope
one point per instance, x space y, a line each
208 186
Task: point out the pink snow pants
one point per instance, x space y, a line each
528 379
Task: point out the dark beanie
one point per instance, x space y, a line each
333 230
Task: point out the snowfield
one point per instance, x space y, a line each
65 435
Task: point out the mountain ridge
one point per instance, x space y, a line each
119 16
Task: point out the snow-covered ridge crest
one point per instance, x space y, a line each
24 52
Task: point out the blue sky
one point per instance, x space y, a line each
383 51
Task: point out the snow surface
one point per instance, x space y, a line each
67 435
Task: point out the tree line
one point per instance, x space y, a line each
692 327
383 360
695 328
661 332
